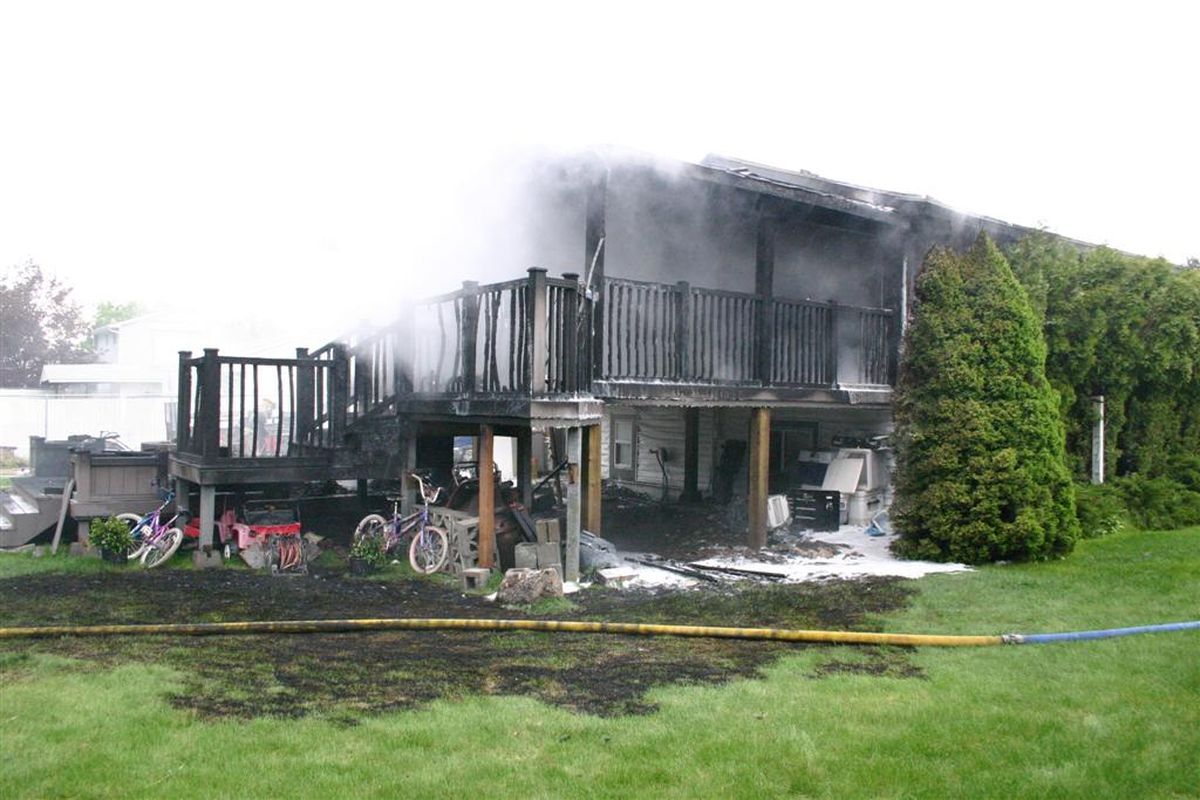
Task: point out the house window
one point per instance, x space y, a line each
624 448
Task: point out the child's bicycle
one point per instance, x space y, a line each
429 549
155 540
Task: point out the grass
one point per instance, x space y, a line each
1115 718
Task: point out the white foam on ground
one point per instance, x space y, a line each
863 556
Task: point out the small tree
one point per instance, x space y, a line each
39 324
980 473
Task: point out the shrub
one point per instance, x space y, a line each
1101 509
110 534
1159 503
369 549
980 471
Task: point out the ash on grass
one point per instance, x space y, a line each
345 676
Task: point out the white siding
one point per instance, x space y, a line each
662 428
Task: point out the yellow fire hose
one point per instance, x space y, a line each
628 628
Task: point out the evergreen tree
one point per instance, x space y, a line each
980 472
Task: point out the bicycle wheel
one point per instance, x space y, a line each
161 551
372 526
428 551
139 546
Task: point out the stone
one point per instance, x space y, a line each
616 575
525 555
521 587
38 552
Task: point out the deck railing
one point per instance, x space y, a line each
523 337
532 337
236 407
681 333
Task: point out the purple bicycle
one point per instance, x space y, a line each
155 540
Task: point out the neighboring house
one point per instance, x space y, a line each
732 326
132 387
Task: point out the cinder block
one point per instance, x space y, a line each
525 555
475 578
547 530
203 560
616 576
549 554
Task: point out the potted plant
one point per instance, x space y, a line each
366 555
113 537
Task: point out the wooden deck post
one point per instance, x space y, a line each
591 479
571 356
305 397
593 268
764 287
487 498
208 517
209 412
574 517
525 475
408 487
691 456
537 330
183 419
760 448
339 393
468 334
683 331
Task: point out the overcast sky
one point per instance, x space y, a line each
283 156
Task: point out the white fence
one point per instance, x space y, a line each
139 418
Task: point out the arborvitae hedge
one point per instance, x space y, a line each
1127 328
980 469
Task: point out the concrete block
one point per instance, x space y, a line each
525 555
548 530
475 578
203 560
38 552
549 554
616 575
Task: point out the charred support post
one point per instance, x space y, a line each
683 331
209 413
591 479
183 420
408 489
574 520
691 456
764 287
1098 440
593 274
760 441
306 392
469 333
525 466
339 394
537 330
487 498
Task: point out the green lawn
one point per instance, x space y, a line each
1115 718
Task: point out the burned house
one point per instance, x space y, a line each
717 329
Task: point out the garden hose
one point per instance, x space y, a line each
626 628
